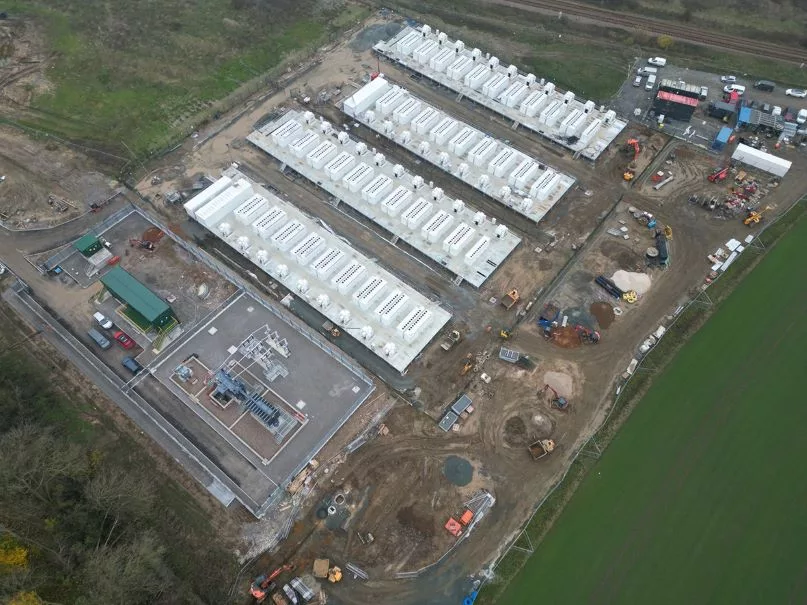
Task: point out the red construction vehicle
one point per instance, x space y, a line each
633 143
630 171
263 584
557 401
718 175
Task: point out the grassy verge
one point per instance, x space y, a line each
133 77
688 323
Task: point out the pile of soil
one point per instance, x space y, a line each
604 313
515 432
153 235
566 337
627 280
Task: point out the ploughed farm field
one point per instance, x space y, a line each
700 497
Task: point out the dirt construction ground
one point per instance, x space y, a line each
402 485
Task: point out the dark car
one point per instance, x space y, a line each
131 364
124 339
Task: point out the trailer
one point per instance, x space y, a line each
541 448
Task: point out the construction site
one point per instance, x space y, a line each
403 291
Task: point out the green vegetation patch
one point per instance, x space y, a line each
134 75
699 497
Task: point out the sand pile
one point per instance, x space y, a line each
559 381
627 280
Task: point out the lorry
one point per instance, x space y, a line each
541 448
511 298
451 340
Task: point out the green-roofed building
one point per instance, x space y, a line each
143 306
87 245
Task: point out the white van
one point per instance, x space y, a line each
651 82
657 61
637 81
738 88
801 117
646 71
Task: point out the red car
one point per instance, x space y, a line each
125 341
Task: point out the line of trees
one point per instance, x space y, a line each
81 525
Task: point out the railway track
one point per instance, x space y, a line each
655 26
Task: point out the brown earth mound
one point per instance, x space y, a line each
604 314
566 337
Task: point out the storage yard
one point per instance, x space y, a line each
402 300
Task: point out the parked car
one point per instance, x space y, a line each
657 61
102 320
788 114
765 85
651 82
728 79
131 364
738 88
704 92
766 108
796 92
776 111
124 339
637 81
99 339
801 117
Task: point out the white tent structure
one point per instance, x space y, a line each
762 160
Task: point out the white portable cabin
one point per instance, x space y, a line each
416 213
308 248
396 200
458 239
338 167
414 322
461 66
499 165
407 110
269 222
390 100
444 129
376 189
545 185
590 131
365 98
480 153
436 226
477 76
211 214
204 196
356 178
551 113
249 211
319 156
573 123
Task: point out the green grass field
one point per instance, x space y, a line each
700 497
133 76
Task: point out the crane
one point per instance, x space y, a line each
262 585
755 216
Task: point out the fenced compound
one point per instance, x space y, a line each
686 319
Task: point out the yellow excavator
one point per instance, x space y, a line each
755 216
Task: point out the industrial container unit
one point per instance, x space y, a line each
425 51
462 141
376 189
307 249
551 113
461 66
396 200
286 133
545 185
590 131
409 42
365 98
444 129
327 263
524 174
482 151
532 104
573 123
319 156
300 147
369 291
204 196
285 237
477 76
674 106
458 239
390 100
269 222
425 120
211 214
499 165
436 226
414 323
407 110
495 85
475 252
443 59
338 167
416 213
390 307
346 279
514 93
356 178
250 210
